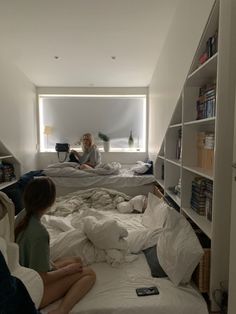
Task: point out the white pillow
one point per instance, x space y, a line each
139 240
105 234
155 214
124 207
179 250
141 167
138 202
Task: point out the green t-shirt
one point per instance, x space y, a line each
34 245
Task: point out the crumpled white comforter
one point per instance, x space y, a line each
71 169
88 224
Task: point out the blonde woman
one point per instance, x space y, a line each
90 157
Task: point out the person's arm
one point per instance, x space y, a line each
94 158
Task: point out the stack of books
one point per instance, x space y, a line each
206 102
201 198
8 172
208 193
198 197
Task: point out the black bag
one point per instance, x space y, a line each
62 148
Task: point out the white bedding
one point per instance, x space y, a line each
71 169
114 293
69 179
119 271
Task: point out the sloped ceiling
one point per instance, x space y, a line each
100 43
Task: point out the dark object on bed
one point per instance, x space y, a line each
62 148
73 158
146 291
153 262
14 297
150 169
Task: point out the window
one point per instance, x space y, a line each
65 118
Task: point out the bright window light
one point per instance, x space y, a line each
65 118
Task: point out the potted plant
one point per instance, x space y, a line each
106 141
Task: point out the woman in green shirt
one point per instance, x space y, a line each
68 280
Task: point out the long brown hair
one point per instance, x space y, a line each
39 194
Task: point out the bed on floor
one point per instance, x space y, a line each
127 249
130 179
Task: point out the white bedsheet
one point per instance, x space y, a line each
111 176
114 293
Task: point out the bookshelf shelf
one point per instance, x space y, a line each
204 73
206 121
7 158
177 125
174 197
6 184
201 221
203 126
174 161
201 172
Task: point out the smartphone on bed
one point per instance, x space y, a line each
144 291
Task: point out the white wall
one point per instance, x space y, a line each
173 66
18 115
126 158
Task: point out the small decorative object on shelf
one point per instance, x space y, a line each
131 140
106 141
210 50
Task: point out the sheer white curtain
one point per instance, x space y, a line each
68 117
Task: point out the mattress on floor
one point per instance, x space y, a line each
114 293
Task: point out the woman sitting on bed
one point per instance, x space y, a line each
65 278
91 156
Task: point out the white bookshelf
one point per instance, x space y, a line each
7 157
213 71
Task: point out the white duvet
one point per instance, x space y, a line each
95 230
71 169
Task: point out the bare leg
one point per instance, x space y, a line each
72 287
64 261
84 166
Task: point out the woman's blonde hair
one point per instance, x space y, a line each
90 137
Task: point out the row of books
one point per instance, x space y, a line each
201 197
206 102
7 172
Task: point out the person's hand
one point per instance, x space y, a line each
73 268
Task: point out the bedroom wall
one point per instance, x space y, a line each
173 65
18 115
47 158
